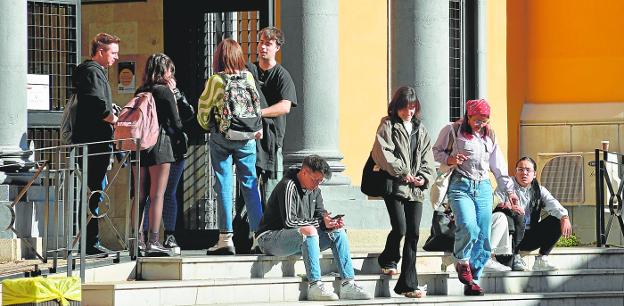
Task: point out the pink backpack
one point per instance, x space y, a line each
138 119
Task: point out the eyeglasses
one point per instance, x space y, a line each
482 122
527 170
316 180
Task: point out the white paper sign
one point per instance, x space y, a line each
38 91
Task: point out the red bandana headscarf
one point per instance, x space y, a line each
478 107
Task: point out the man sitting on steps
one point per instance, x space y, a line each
295 222
540 234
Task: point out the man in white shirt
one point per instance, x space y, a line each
540 234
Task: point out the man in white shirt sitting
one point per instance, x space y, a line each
538 234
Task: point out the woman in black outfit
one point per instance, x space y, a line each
403 149
158 79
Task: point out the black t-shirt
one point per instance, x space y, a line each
276 85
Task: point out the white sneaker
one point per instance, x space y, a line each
318 292
541 264
494 266
518 264
225 245
351 291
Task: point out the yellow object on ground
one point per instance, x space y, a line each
40 289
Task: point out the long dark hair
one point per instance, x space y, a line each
535 187
466 130
155 68
403 97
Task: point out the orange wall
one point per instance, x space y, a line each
363 52
138 24
516 73
575 51
562 52
496 67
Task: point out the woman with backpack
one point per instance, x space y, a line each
158 79
179 145
474 152
402 148
230 109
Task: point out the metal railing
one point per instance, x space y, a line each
609 168
62 179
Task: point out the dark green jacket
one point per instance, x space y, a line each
392 153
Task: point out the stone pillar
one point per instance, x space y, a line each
13 70
311 56
420 56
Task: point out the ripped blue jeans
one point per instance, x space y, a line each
471 201
290 241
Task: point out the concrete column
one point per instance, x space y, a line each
13 70
420 56
311 56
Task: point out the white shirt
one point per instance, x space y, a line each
483 155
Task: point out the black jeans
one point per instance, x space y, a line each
98 161
405 220
543 236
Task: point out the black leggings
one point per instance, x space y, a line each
405 220
543 236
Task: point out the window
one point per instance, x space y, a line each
462 55
53 45
455 60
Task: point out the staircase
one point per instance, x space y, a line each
585 276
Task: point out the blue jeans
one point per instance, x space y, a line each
243 153
471 201
290 241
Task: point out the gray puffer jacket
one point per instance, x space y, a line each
391 152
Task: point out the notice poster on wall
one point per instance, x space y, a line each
126 78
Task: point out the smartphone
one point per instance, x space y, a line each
337 217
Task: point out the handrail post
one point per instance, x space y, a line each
83 211
68 203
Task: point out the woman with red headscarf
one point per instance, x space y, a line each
474 152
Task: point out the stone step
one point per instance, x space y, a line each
260 266
292 289
583 280
525 299
193 266
215 291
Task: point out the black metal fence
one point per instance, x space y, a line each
609 171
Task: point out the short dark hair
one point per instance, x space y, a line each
403 97
317 164
103 40
273 33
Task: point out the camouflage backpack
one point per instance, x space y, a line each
239 116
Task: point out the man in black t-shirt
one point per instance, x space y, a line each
277 96
278 88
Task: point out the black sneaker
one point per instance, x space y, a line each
97 250
170 242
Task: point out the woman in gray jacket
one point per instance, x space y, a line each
403 149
